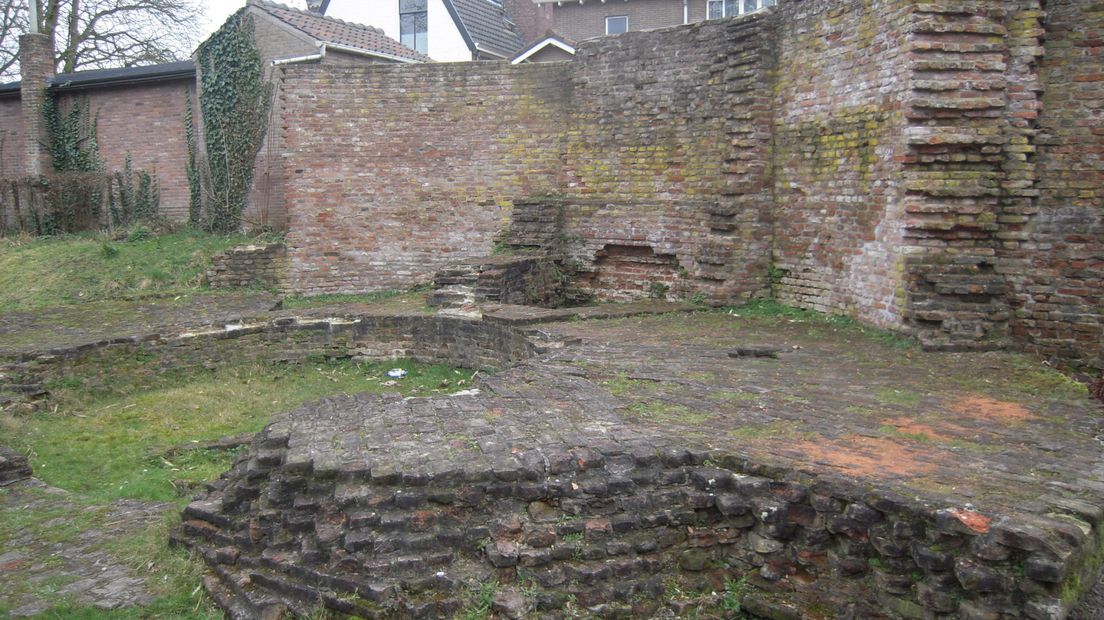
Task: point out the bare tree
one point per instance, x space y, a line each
98 34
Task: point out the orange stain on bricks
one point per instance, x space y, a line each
868 456
990 410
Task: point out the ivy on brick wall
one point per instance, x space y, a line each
72 137
191 168
72 198
74 194
234 99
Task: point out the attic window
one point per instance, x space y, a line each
617 24
414 25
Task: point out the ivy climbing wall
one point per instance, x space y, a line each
144 123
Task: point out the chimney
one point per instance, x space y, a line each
36 66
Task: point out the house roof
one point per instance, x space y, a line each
328 30
123 76
486 25
551 40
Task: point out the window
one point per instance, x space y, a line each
617 24
717 9
414 25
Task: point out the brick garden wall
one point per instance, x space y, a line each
395 171
1059 303
11 138
147 123
842 73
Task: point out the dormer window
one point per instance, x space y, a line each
414 25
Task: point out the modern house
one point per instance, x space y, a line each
585 19
551 48
285 34
444 30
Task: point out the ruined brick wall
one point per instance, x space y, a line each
12 158
145 122
396 171
1059 302
969 172
842 73
248 265
667 161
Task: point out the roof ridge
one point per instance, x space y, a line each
277 5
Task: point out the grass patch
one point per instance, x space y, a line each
774 312
121 433
52 271
124 435
959 444
783 429
622 386
479 602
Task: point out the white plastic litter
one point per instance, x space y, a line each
396 373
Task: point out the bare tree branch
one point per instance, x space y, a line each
98 34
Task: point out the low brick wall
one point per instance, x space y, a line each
13 466
518 280
248 265
621 524
469 344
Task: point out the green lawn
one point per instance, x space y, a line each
50 271
102 447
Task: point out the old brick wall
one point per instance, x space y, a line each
396 171
145 122
248 265
667 161
838 123
12 159
1059 302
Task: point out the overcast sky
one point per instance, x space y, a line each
218 10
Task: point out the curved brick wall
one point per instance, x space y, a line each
383 507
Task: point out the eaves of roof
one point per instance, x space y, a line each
101 78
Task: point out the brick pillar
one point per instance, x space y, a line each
36 62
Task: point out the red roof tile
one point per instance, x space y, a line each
338 32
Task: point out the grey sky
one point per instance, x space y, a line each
216 12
